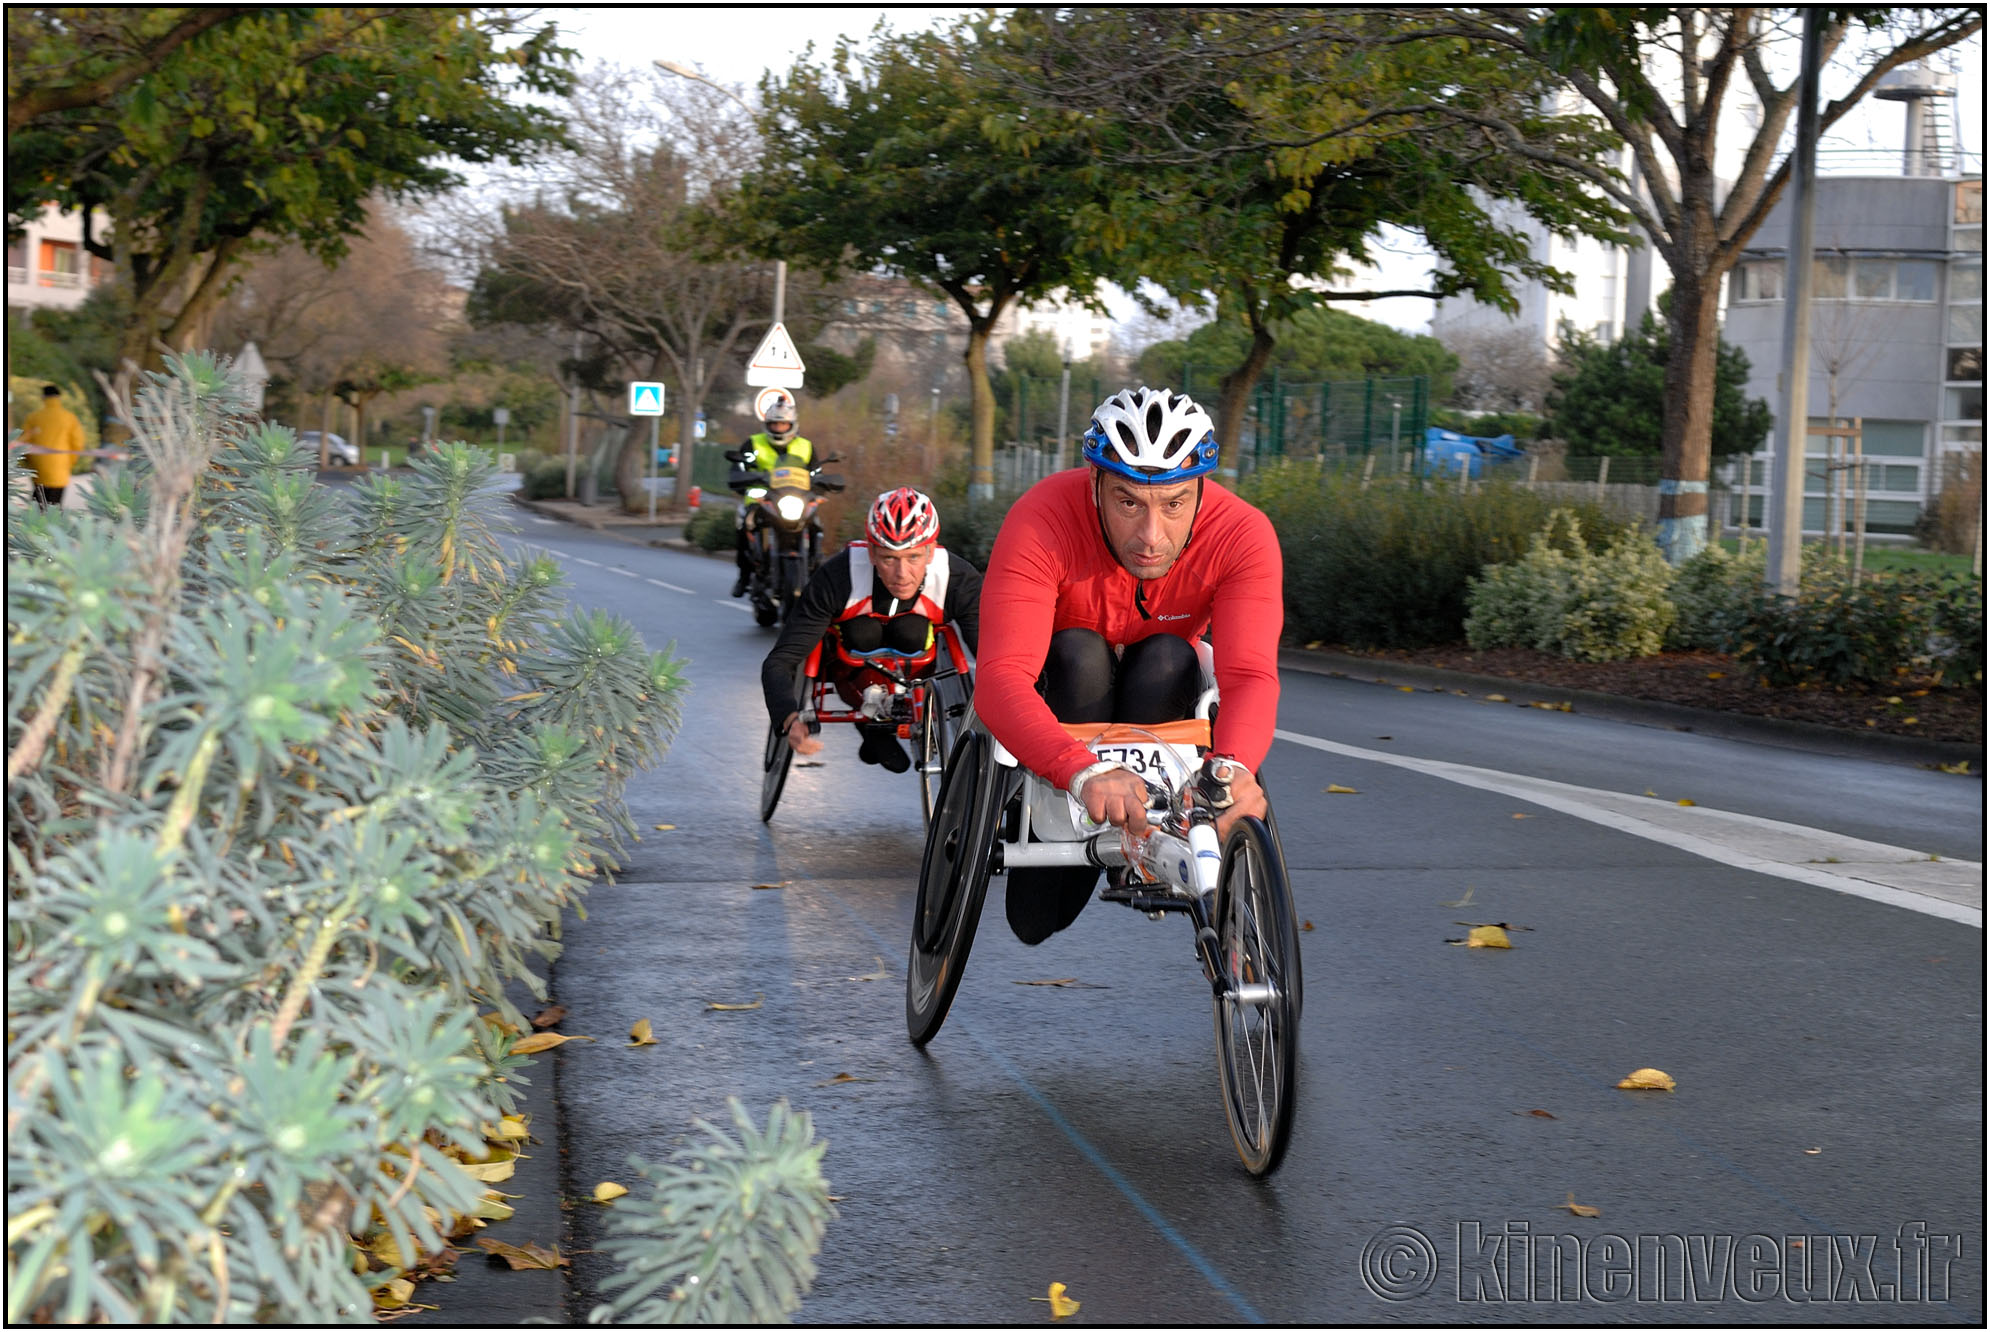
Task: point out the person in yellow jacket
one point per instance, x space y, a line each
54 438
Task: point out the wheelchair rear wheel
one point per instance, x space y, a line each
953 880
778 756
1257 1016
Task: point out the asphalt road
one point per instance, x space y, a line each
1821 1160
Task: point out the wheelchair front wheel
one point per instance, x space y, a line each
953 880
1257 1015
939 723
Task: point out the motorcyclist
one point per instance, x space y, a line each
1101 581
761 454
886 594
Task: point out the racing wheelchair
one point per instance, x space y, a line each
928 707
993 815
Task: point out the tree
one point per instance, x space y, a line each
883 163
1662 79
621 256
1316 343
1504 370
1610 399
376 322
64 60
1262 152
270 126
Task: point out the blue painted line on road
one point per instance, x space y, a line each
1085 1148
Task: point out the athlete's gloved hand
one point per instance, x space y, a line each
1111 794
799 738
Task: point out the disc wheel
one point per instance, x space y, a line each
939 723
1257 1016
953 879
777 758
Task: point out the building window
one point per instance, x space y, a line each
1966 363
61 264
849 307
939 309
1963 403
877 307
1757 282
1969 203
1966 325
1966 282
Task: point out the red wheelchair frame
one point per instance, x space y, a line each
928 709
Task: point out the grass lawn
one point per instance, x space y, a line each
1891 558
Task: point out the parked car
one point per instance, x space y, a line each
338 450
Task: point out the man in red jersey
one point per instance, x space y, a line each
1101 580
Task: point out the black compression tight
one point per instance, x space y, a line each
1154 680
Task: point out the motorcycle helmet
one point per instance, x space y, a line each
779 422
901 519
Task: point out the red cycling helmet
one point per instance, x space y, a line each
901 519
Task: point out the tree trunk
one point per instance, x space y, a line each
1687 437
1236 394
191 326
981 478
325 434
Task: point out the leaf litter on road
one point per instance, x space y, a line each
842 1078
1061 1305
712 1006
1649 1079
1072 982
544 1040
608 1191
1575 1208
1466 900
549 1017
880 974
525 1257
640 1035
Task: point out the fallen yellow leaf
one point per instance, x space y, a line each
842 1078
527 1257
544 1040
511 1128
1649 1079
1653 794
1406 689
1717 675
666 827
1910 721
1314 644
1487 936
491 1208
1894 699
388 1251
1578 1209
1061 1306
758 999
1523 816
393 1294
767 887
1496 698
1307 927
1813 1151
640 1034
1342 790
608 1191
495 1171
1684 801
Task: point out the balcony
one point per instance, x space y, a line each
16 277
67 280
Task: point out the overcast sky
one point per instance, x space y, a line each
734 47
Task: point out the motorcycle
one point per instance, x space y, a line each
784 533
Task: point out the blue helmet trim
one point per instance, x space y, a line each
1201 462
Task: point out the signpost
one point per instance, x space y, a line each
501 415
775 361
646 399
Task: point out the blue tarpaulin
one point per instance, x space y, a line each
1447 453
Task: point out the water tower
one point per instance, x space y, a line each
1929 146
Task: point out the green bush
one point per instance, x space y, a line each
1867 634
1390 564
713 527
1564 598
1712 591
294 787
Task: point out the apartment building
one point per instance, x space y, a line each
47 265
1896 331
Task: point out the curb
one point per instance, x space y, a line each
1808 736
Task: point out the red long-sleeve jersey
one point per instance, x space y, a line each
1051 569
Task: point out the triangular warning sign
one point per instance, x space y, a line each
775 361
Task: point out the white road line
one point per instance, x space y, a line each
548 522
1897 876
734 605
658 582
582 559
625 573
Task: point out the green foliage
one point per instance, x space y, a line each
295 787
830 370
1610 399
713 527
268 126
1390 564
1523 426
1711 591
1562 597
731 1229
1316 343
1868 634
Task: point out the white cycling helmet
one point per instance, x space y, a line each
1152 436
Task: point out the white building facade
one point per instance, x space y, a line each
47 265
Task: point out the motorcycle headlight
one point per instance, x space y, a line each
756 492
791 508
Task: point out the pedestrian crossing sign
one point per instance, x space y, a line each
645 398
